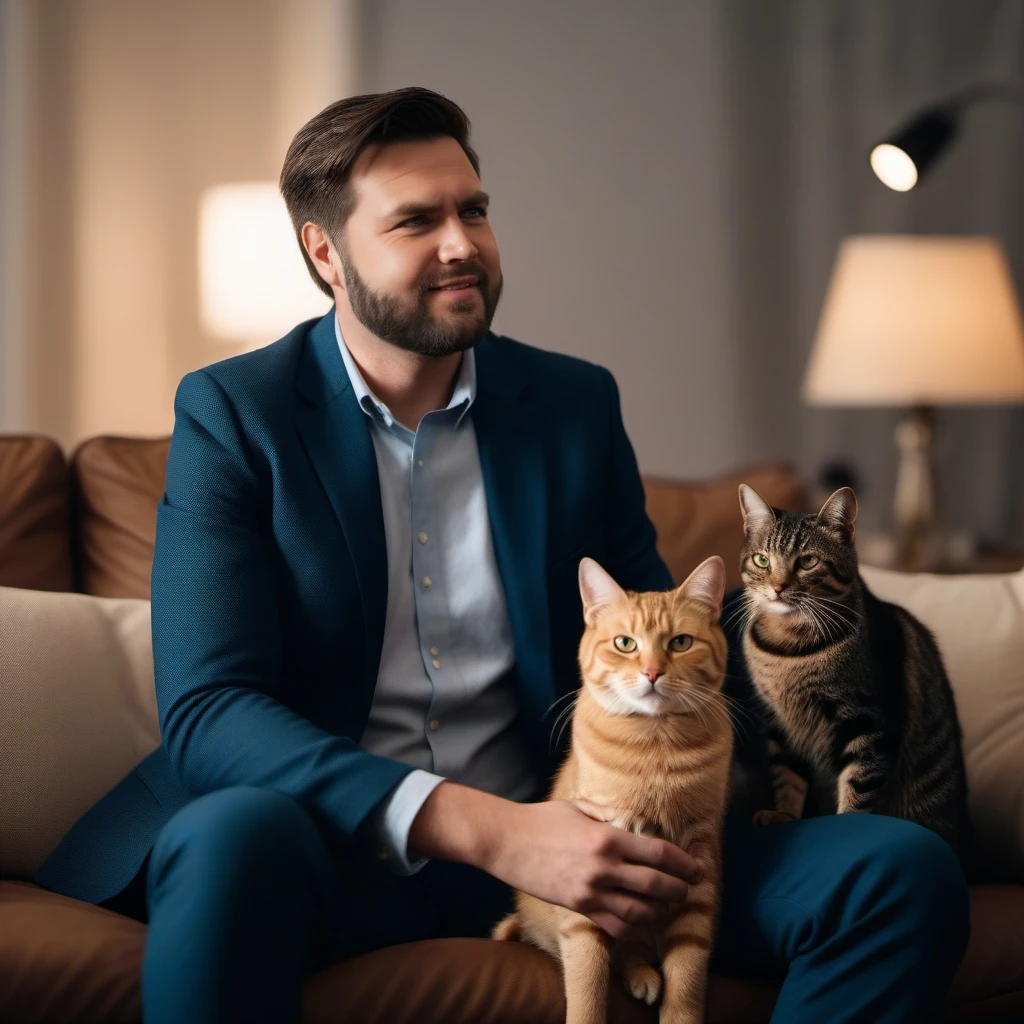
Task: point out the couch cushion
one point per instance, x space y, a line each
979 624
697 519
35 547
117 483
77 713
993 967
62 960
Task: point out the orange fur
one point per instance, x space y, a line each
656 763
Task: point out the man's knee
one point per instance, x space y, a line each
238 824
917 876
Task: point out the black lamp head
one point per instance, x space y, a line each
906 156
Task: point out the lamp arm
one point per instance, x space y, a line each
980 92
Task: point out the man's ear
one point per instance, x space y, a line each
322 254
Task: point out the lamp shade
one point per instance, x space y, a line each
253 282
918 320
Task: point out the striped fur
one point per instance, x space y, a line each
862 715
654 760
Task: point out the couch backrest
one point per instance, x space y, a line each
35 543
698 519
116 484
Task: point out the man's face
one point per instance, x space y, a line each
420 262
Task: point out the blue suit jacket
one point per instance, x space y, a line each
270 579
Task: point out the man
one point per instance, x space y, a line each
364 604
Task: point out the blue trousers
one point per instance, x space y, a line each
864 918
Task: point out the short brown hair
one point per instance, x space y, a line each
315 176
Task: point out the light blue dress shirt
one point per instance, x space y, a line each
445 699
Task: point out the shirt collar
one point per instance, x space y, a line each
463 395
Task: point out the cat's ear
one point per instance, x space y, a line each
757 513
597 589
706 584
839 513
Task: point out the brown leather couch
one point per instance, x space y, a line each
88 525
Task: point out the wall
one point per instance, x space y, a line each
671 181
134 109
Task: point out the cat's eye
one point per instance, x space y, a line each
808 561
680 643
626 644
761 561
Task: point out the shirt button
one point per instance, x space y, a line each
437 663
434 650
419 462
422 538
427 581
435 724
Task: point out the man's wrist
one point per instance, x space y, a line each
461 824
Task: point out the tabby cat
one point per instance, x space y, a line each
651 748
861 713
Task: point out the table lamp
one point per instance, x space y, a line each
914 321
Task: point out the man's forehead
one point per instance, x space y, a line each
394 172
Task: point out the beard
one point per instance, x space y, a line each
412 326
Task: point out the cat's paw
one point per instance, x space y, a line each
642 982
507 929
772 817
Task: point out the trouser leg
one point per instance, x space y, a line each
238 880
247 896
865 917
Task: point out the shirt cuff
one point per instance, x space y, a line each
394 818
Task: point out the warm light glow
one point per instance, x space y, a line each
253 283
893 167
918 320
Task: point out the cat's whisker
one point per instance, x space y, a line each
562 721
565 696
809 612
825 614
737 712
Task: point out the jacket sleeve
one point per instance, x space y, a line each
217 635
633 558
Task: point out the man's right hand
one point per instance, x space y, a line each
557 853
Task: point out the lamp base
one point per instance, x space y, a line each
921 541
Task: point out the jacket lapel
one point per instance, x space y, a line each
513 462
336 435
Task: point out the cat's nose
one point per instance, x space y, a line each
779 588
654 674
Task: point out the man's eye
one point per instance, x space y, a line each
413 222
478 210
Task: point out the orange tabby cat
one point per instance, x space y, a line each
651 748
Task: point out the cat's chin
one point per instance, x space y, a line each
778 607
649 705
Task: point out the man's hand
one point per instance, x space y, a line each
557 853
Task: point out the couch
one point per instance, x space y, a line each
77 711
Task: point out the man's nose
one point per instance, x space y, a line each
456 243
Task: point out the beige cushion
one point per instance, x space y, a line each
77 713
979 624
